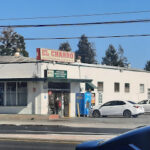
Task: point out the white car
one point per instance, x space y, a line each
118 107
146 104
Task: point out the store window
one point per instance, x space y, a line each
100 86
127 87
141 88
93 99
100 98
15 94
56 86
116 87
11 94
1 94
22 93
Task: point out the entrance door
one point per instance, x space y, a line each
54 102
59 103
66 104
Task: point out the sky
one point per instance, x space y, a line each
135 49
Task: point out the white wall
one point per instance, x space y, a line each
38 99
24 70
44 99
75 88
108 75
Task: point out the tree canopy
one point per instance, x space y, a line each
122 60
65 47
10 41
111 56
147 66
114 57
86 51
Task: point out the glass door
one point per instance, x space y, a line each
1 94
66 104
55 101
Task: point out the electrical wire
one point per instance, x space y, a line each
82 15
77 24
91 37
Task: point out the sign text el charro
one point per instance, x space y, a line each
55 55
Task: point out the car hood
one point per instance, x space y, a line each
90 145
137 139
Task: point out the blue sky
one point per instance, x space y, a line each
136 49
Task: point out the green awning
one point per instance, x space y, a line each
21 79
90 86
68 80
46 79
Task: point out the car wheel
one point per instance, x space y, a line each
104 116
96 114
135 116
127 113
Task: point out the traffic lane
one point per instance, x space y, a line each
28 145
108 125
25 129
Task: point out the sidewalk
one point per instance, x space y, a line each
44 120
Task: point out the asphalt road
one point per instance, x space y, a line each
91 129
38 129
26 145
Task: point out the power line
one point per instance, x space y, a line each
91 37
77 24
82 15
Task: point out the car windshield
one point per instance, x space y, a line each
131 102
73 71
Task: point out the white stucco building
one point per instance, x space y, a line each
30 86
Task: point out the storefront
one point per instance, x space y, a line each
31 86
62 97
59 98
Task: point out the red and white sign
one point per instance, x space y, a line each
55 55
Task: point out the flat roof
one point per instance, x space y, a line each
21 59
15 59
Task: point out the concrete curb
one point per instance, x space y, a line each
41 140
55 138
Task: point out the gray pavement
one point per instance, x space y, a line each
18 120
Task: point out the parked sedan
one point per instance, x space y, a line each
117 107
145 104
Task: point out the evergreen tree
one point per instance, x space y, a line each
147 66
122 62
86 51
111 56
10 41
114 57
65 47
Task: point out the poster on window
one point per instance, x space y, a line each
93 99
